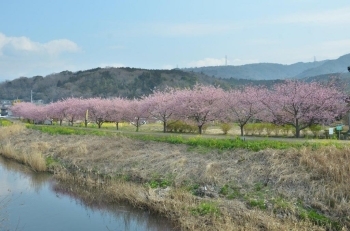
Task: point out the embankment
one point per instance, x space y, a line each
201 188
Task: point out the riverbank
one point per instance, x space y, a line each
201 188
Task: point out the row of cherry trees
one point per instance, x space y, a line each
295 103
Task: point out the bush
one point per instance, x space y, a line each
225 127
286 129
315 129
180 126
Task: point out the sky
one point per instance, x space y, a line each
41 37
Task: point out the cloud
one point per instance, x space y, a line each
16 46
21 56
55 47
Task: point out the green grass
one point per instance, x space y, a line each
316 218
196 143
206 208
159 183
223 144
5 122
319 219
62 130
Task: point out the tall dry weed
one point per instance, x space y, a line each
328 162
8 131
8 151
36 161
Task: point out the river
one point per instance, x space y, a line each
35 201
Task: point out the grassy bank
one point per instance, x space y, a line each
194 141
34 159
201 183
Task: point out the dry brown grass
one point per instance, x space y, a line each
9 131
35 159
329 162
8 151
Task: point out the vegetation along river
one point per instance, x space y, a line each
33 201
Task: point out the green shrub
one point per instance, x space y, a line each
286 129
180 126
269 128
276 129
248 129
315 129
225 127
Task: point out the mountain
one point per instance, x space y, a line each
100 82
269 71
330 66
258 71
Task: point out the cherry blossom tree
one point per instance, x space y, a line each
98 110
302 104
117 107
243 105
30 111
73 109
201 104
163 105
57 111
136 112
22 109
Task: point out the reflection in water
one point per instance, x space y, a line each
37 202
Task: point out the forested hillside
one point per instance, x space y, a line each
127 82
100 82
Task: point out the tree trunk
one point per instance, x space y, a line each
86 123
60 122
117 125
297 132
297 129
200 129
164 126
242 131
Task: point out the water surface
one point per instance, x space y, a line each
31 201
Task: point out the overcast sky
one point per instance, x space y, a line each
40 37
